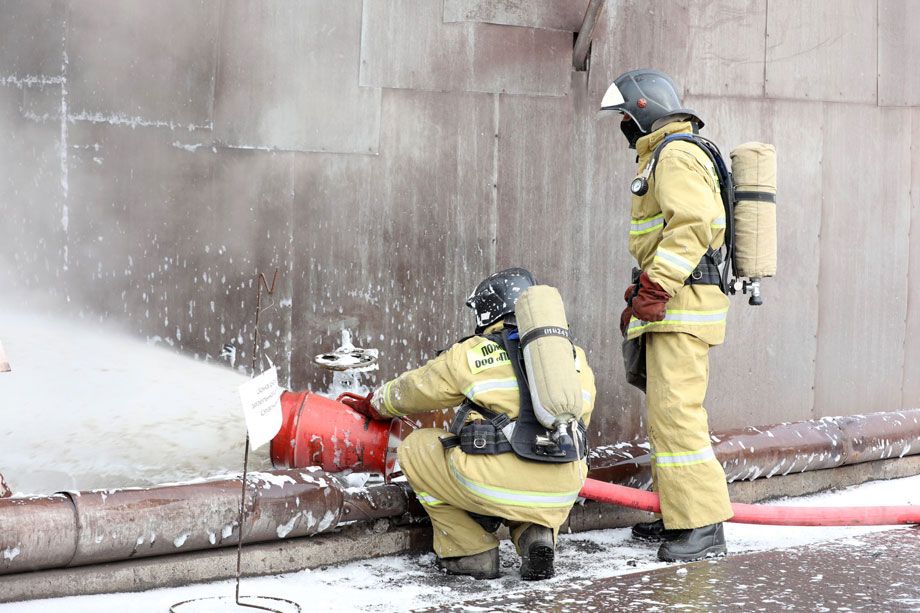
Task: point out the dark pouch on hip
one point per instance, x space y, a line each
634 361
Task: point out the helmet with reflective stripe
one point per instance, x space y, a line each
494 297
646 96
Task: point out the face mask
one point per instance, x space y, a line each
631 131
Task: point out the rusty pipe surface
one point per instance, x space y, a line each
583 42
77 528
764 451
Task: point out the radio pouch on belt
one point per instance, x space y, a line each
634 349
634 361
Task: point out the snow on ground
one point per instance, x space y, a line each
406 582
85 408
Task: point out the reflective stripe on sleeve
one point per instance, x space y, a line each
487 386
718 223
682 318
426 498
675 261
664 460
388 408
515 497
644 226
586 395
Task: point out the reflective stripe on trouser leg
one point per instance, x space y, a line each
687 475
494 485
455 533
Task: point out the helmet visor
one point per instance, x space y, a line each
613 97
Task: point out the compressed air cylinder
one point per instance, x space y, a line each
754 177
549 358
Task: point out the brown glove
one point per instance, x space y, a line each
361 405
627 312
624 319
649 303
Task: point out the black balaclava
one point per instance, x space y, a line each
631 131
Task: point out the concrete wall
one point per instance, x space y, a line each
388 154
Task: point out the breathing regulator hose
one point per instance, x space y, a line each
768 515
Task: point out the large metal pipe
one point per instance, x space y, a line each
77 528
764 451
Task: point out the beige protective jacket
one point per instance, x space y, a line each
476 368
673 224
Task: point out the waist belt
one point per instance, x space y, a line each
479 438
707 271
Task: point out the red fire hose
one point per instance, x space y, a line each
763 514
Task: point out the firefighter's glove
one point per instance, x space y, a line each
627 312
624 319
650 302
362 406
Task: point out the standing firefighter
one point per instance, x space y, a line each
499 462
675 308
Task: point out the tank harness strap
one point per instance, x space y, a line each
728 195
756 196
544 331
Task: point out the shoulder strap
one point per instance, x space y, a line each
726 186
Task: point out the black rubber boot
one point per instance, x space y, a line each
654 532
478 566
537 553
696 544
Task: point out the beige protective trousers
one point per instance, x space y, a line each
685 472
449 483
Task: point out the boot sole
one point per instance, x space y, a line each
715 551
538 564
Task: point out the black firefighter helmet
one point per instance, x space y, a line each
495 296
646 96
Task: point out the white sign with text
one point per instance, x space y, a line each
261 399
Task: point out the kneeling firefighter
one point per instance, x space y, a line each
515 450
676 308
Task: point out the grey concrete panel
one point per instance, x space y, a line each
390 247
764 372
864 259
545 14
709 47
171 241
405 44
147 63
32 198
31 38
288 78
898 48
822 50
910 397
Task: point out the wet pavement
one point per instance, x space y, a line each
879 571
